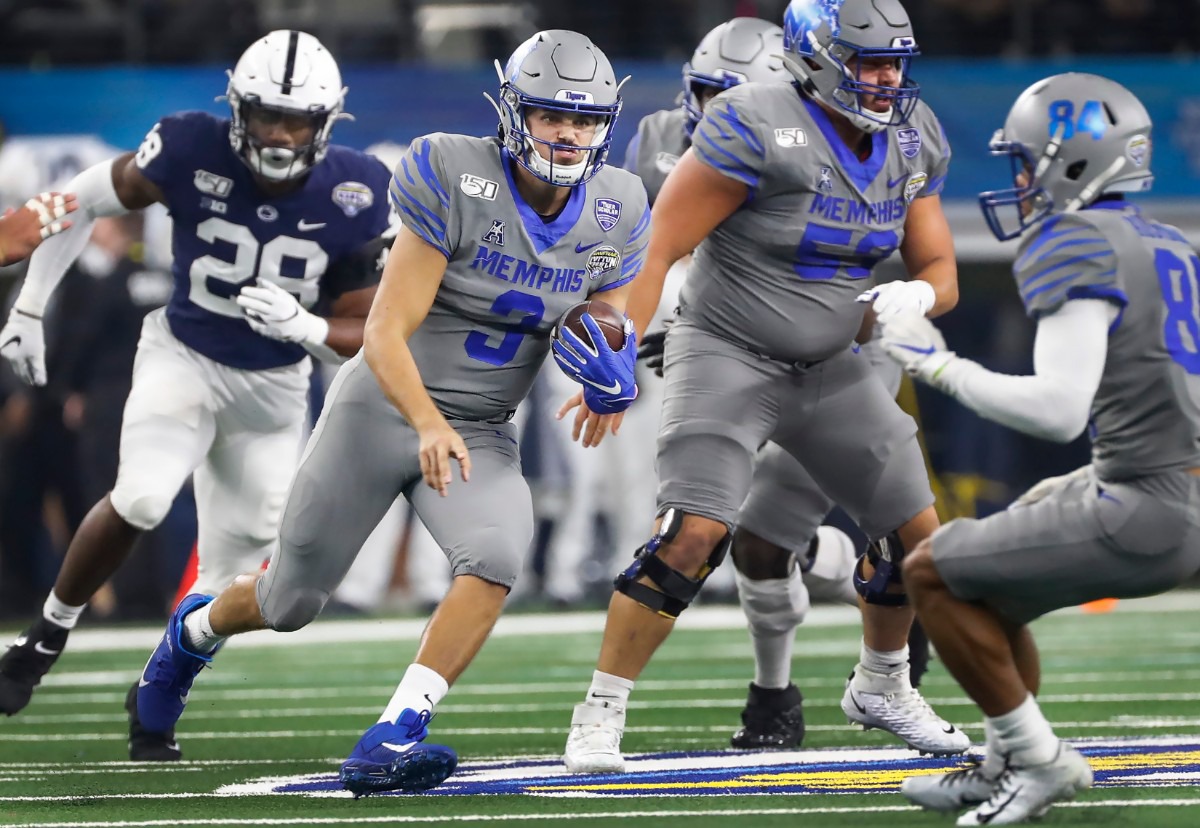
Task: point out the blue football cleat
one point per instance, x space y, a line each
391 757
163 688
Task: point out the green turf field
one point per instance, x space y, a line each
280 712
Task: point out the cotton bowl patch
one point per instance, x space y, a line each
1128 763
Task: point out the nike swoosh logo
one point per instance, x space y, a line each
894 182
44 650
986 818
20 642
949 729
615 388
12 340
303 226
172 745
142 681
854 701
398 748
583 248
915 349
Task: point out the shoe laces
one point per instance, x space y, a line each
964 776
912 705
419 728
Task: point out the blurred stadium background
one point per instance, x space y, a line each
84 79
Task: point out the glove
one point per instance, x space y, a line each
607 376
23 345
913 341
914 296
275 313
651 349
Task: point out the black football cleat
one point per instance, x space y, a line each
28 659
772 719
146 745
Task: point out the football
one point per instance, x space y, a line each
610 320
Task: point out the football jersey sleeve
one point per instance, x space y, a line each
420 196
163 153
727 140
634 254
938 158
1067 258
361 269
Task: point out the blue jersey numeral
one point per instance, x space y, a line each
814 262
506 304
1181 329
1064 124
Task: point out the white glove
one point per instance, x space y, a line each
914 296
23 345
913 341
275 313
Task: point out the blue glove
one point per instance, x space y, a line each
607 376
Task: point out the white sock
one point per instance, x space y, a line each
60 614
774 607
885 662
198 635
993 762
608 690
420 689
1024 736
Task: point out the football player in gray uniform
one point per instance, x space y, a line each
500 237
789 196
1117 352
783 560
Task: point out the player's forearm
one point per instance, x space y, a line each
388 356
1039 406
645 294
345 336
1055 402
942 276
96 196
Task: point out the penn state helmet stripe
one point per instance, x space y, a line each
289 70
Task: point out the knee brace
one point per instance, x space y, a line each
885 555
676 591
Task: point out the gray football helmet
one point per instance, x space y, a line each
563 71
739 50
820 39
1073 138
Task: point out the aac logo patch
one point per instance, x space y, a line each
1138 150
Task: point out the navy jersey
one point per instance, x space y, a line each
510 273
228 233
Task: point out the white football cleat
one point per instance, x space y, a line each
594 743
890 702
949 792
1022 794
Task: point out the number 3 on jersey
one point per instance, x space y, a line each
215 282
508 303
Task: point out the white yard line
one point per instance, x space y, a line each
570 815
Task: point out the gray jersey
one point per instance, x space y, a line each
656 148
1146 415
780 275
510 275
